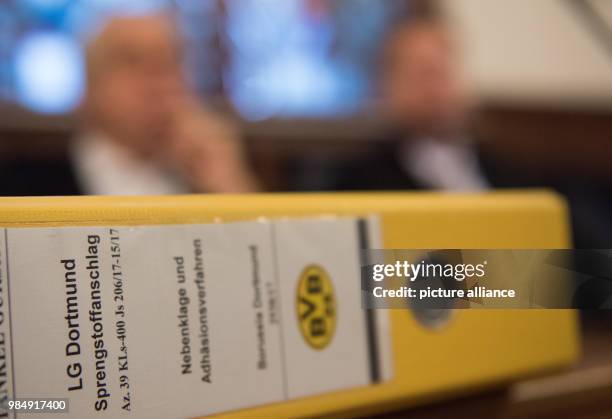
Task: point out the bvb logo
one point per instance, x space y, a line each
316 307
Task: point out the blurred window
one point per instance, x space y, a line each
270 57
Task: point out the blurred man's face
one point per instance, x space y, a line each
135 80
422 83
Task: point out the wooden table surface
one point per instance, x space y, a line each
582 392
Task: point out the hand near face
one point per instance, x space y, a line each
206 150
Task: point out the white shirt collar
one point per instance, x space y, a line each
443 165
105 168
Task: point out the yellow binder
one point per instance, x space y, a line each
473 350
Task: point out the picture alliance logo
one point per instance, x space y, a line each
316 307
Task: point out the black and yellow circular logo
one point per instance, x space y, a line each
316 307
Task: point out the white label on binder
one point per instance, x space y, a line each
185 320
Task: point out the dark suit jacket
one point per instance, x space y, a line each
380 169
34 177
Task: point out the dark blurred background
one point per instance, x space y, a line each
303 72
300 77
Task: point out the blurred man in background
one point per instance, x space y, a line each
425 97
143 132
